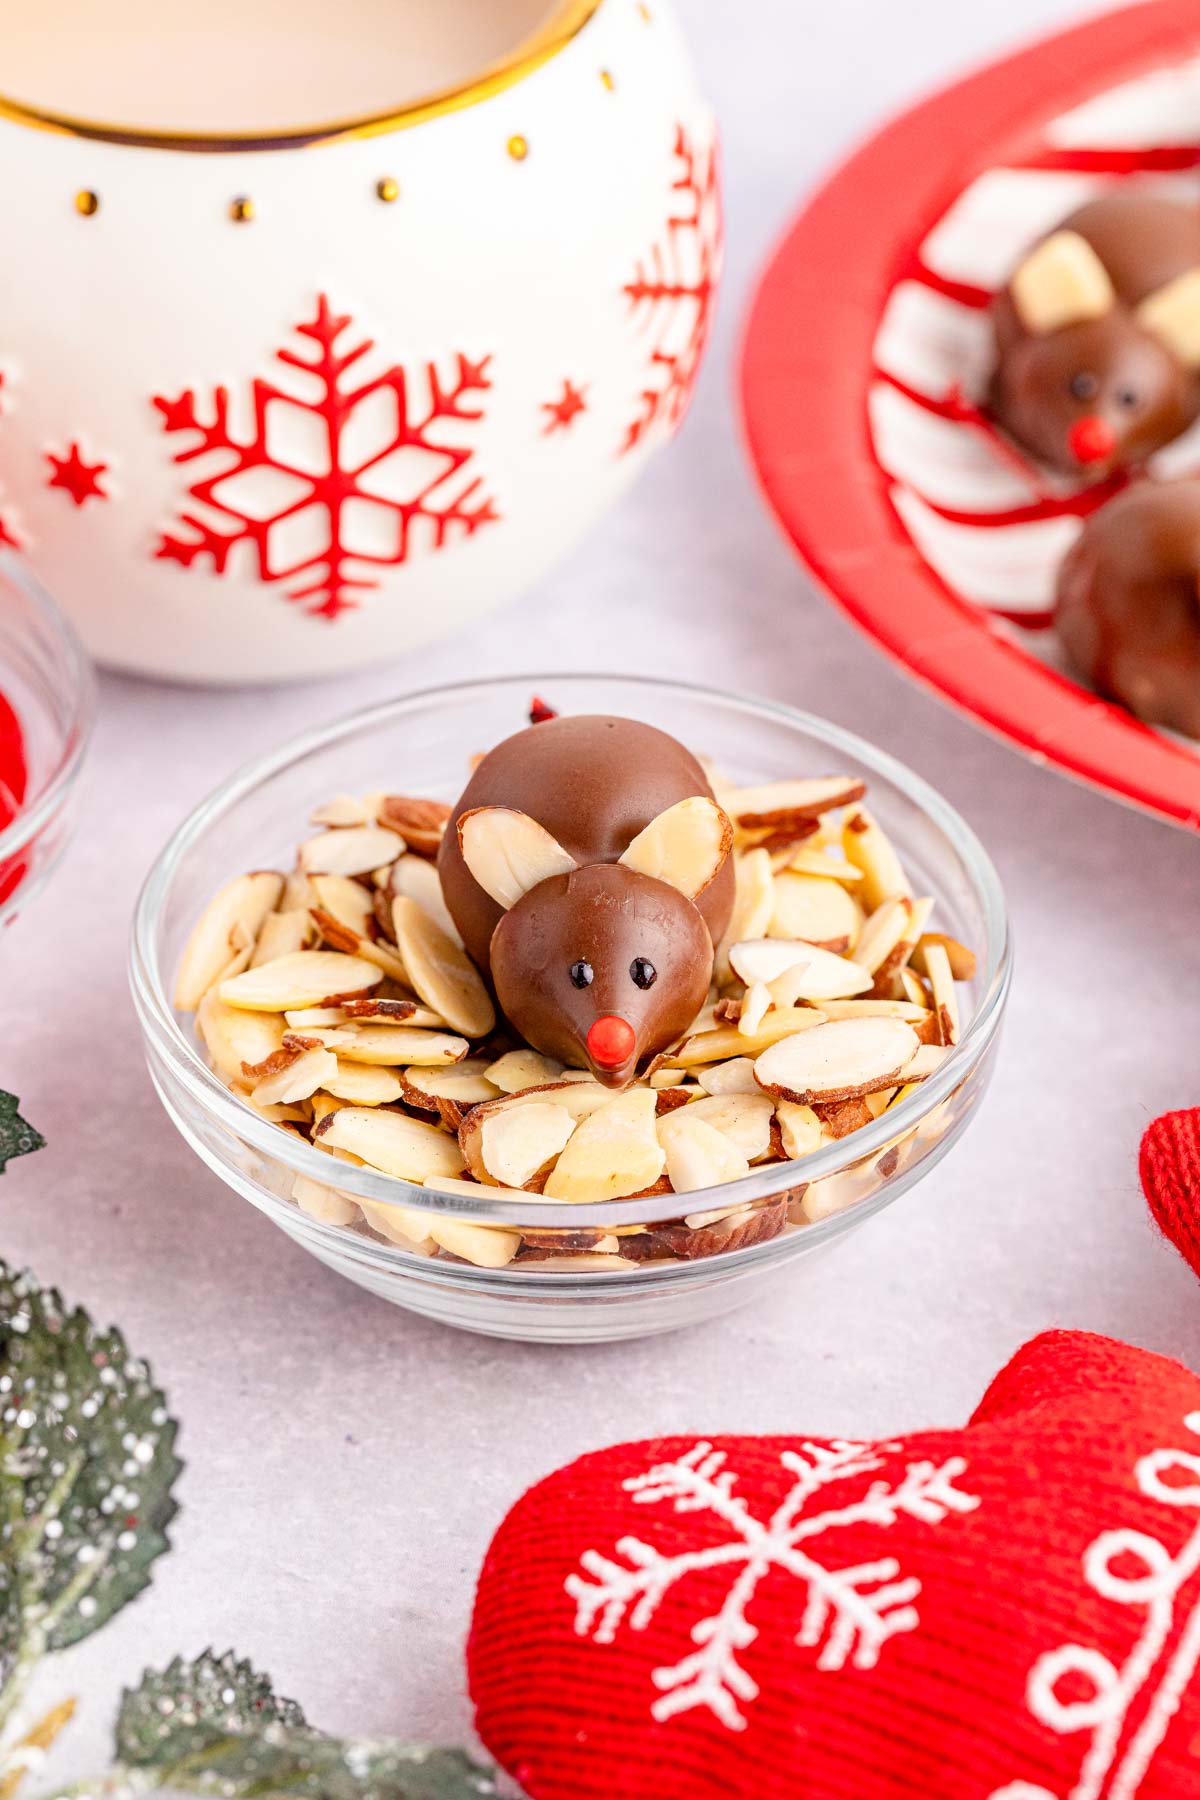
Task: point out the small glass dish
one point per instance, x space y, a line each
47 699
422 744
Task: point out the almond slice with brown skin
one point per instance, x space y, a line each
756 1004
451 1093
578 1098
302 979
299 1080
352 943
698 1156
754 902
814 909
282 934
241 906
798 971
928 1059
912 1015
518 1142
347 901
962 960
235 1039
840 1117
418 878
392 1142
868 847
799 1128
520 1069
508 853
685 846
733 1077
945 1001
727 1041
733 1230
353 850
421 823
361 1084
780 802
394 1046
387 1011
442 974
745 1119
612 1153
841 1060
888 926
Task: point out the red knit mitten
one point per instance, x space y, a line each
1008 1612
1170 1170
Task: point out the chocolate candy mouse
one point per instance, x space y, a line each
1098 336
588 866
1129 602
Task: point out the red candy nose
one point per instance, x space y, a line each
1091 439
610 1041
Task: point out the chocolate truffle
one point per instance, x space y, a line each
596 960
1098 336
1128 607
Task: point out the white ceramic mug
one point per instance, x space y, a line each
281 400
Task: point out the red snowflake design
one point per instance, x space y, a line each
673 289
563 412
78 478
328 487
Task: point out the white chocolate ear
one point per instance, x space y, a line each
1061 282
508 852
1173 314
684 846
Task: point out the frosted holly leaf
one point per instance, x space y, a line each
216 1726
87 1463
17 1136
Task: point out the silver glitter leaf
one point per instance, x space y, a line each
215 1726
87 1463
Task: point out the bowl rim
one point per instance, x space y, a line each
562 23
166 1038
73 667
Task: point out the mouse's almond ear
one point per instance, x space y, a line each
1061 282
508 852
1172 313
684 846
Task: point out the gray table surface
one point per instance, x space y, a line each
347 1463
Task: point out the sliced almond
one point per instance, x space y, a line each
356 850
840 1117
796 971
945 1001
733 1077
418 879
887 927
754 902
799 1128
451 1093
723 1231
684 846
360 1084
442 974
577 1098
756 1004
234 1038
487 1246
926 1061
282 934
612 1153
405 1226
727 1041
779 802
586 1262
517 1142
241 906
840 1060
347 809
421 823
697 1155
522 1069
663 1080
913 988
322 1105
302 979
745 1119
912 1015
814 909
961 960
347 901
299 1080
868 847
394 1046
392 1142
807 861
509 853
324 1203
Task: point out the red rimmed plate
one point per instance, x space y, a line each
867 342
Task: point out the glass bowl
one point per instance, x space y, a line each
46 704
421 744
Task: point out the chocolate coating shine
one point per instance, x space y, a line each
1112 369
593 782
604 916
1128 609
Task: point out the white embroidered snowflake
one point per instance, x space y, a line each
848 1614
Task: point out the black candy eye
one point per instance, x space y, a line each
581 974
1083 385
642 973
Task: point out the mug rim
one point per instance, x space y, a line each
563 23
